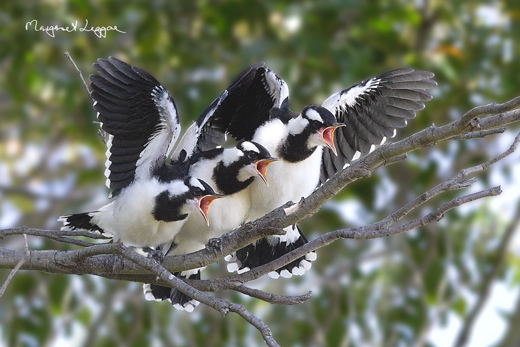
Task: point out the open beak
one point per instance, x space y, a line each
327 135
261 168
204 203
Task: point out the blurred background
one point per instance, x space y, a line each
415 289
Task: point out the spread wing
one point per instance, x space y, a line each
372 111
140 117
238 111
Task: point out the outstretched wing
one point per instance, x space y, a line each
372 111
140 117
238 111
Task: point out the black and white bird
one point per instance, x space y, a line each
230 172
152 199
256 107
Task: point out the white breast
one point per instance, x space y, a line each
287 182
130 220
224 215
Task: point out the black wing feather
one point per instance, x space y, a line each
239 111
137 112
372 110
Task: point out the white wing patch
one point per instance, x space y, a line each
165 136
167 112
352 95
190 138
108 162
276 87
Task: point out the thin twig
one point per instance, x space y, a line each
80 75
50 233
479 134
26 257
273 298
220 305
359 233
53 261
501 254
395 160
60 236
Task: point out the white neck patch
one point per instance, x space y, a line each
296 125
230 155
177 187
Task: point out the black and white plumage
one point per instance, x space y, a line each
152 199
256 107
230 172
372 111
140 118
147 213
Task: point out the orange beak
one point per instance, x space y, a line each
261 168
204 203
327 135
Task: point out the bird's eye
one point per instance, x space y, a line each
251 155
197 191
316 124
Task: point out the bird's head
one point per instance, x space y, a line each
320 123
199 196
254 159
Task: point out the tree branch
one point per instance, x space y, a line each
122 263
220 305
498 263
80 75
25 257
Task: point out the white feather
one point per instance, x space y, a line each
248 146
285 273
276 87
314 115
129 222
273 275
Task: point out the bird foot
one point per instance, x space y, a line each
154 254
215 245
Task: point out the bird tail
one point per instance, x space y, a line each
81 221
179 300
270 248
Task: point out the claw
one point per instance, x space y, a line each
155 254
215 245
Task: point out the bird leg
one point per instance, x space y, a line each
155 254
215 245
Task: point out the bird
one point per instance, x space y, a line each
152 198
312 145
230 172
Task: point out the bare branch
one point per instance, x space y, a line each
122 263
359 233
26 257
272 298
395 160
479 134
220 305
491 109
80 75
501 253
60 236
